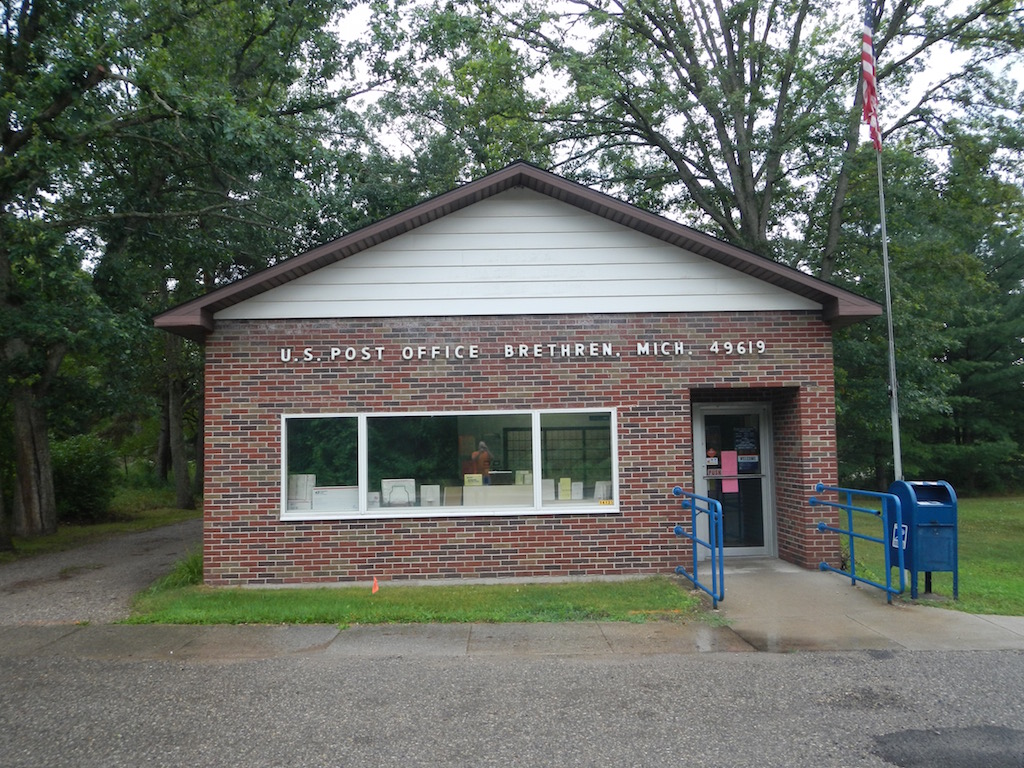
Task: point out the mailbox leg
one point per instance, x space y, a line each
927 582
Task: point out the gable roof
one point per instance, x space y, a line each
195 319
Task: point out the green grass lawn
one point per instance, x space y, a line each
640 600
991 543
990 551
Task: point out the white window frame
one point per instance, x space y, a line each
577 507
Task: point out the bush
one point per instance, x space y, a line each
84 475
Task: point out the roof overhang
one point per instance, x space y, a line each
195 319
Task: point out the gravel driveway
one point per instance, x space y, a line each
94 583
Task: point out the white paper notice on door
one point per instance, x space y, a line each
729 467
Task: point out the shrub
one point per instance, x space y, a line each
186 572
84 476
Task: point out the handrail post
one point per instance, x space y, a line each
849 525
714 542
890 508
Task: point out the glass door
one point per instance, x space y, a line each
732 463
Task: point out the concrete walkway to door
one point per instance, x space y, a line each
776 606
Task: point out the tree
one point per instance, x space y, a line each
457 104
739 116
49 309
216 196
980 442
956 254
127 127
743 118
927 272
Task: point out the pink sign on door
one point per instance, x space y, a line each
729 467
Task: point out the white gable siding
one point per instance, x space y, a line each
517 253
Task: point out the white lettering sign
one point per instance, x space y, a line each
576 349
447 352
661 348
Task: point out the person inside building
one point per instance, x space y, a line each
482 461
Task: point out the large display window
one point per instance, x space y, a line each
414 465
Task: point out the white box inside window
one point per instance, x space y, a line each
343 498
398 493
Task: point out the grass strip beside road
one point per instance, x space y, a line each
991 543
633 600
991 548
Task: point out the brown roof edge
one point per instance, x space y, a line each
194 319
847 310
193 324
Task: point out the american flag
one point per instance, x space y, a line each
868 83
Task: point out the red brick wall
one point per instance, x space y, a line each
248 388
804 455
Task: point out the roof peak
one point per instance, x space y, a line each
195 319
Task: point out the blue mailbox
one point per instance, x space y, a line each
929 531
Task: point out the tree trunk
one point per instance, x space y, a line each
881 470
840 186
197 480
163 445
35 504
176 429
6 542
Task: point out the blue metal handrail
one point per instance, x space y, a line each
716 537
891 512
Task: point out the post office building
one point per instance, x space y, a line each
507 381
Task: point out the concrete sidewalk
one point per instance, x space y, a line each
776 606
769 606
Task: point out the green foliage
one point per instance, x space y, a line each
745 121
327 448
186 572
461 100
421 447
634 601
990 465
84 477
955 250
134 499
169 147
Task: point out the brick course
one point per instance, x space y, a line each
249 386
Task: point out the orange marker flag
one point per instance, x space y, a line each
373 591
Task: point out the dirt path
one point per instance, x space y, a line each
94 583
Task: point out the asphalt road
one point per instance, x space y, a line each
934 709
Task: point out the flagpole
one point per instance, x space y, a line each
869 103
894 404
